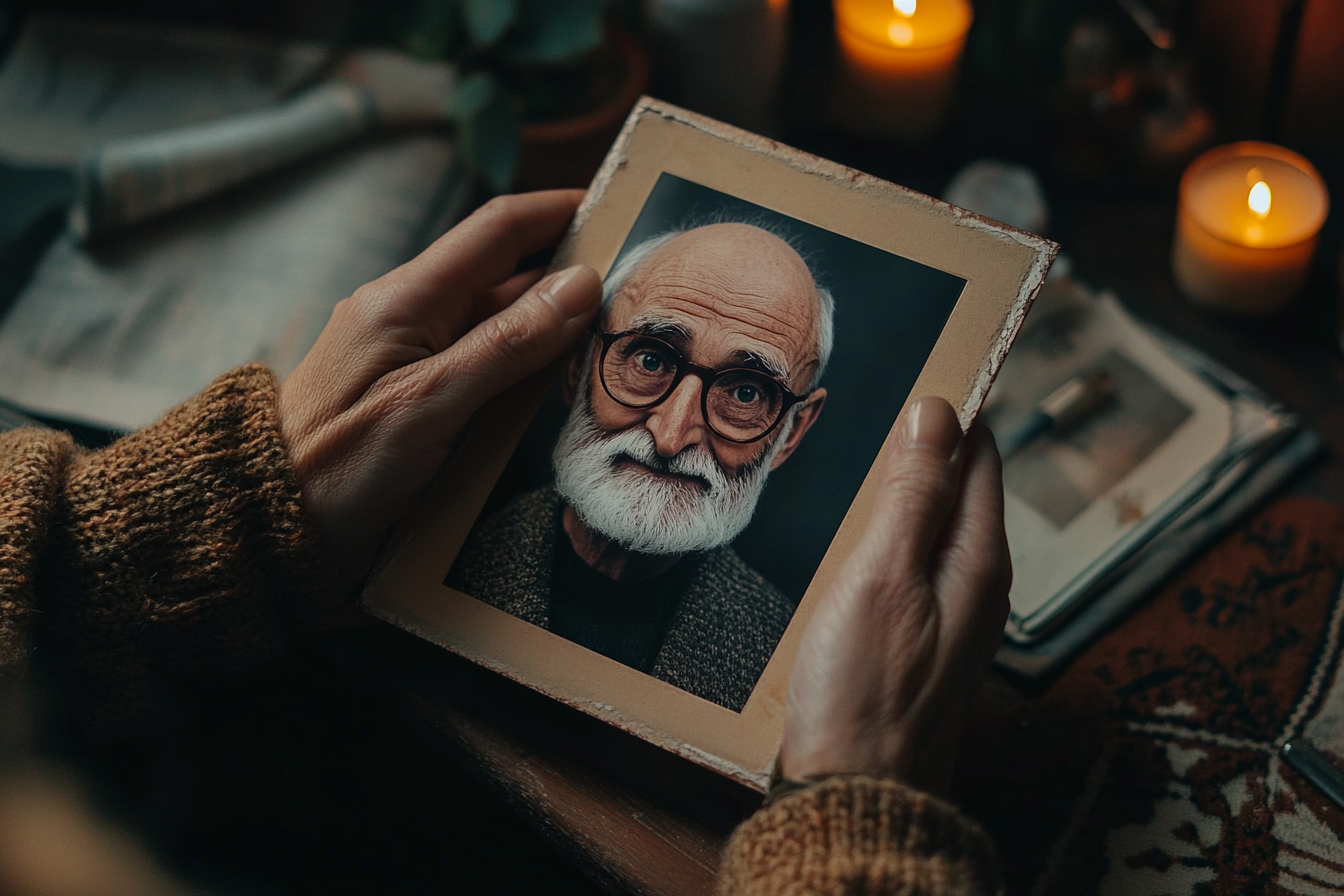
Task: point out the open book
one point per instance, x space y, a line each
1100 511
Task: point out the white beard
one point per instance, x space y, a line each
645 513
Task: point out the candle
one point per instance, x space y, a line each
898 64
1246 227
722 57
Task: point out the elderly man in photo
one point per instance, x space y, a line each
700 380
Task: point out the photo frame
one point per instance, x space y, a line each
927 299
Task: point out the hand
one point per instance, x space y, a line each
370 413
898 646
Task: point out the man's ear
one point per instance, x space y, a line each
569 383
803 419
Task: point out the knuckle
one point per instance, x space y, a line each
507 337
405 395
500 212
377 299
924 481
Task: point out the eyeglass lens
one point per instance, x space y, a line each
741 404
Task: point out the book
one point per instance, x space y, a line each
1099 512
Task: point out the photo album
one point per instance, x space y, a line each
643 532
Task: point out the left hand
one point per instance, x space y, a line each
899 643
370 413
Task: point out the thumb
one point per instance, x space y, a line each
521 339
919 488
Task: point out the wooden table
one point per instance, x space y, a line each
635 818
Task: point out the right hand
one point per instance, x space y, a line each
898 646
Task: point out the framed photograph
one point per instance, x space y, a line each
644 532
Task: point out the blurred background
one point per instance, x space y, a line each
1104 103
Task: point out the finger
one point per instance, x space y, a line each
921 484
975 559
483 250
515 343
493 301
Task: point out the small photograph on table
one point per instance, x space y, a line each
674 496
1061 475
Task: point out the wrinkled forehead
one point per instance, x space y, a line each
725 290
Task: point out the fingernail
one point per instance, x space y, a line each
931 425
563 291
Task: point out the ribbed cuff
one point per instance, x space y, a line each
859 835
180 549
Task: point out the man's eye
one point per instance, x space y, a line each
746 394
650 361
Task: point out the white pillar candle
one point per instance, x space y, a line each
1246 227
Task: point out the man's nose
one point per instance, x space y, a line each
677 422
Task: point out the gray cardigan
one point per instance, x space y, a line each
721 636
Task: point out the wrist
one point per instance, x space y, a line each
926 763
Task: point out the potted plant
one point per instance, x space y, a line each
545 84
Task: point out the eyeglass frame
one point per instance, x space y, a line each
707 376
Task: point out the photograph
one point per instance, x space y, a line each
1062 475
678 489
642 531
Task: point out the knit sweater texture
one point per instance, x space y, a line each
722 635
182 549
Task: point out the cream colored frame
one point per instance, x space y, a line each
1003 269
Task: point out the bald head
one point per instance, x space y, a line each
742 274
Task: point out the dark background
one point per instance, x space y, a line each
889 312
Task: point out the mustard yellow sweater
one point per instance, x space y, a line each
182 549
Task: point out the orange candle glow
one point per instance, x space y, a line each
1246 227
899 63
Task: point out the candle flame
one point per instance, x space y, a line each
1259 199
904 7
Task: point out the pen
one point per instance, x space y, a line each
1311 764
1077 399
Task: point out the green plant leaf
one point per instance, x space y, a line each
487 20
553 31
472 94
491 139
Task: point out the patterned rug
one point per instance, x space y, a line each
1151 766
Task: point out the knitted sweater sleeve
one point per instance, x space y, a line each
178 550
859 835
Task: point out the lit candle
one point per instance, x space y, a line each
899 63
1246 227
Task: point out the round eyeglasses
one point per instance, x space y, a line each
740 404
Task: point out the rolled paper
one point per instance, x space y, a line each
123 182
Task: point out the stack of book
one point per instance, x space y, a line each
1125 452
